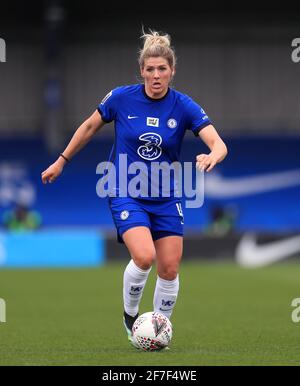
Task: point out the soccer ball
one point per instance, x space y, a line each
152 331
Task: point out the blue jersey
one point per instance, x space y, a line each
149 130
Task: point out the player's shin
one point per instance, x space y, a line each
134 281
165 295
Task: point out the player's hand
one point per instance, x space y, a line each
53 171
205 162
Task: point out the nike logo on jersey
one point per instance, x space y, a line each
132 116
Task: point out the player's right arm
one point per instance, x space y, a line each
80 138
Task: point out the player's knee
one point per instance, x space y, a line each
144 258
168 273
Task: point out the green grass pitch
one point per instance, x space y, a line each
225 315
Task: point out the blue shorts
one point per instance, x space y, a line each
163 218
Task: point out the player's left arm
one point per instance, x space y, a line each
218 149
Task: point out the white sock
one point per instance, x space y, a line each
134 281
165 295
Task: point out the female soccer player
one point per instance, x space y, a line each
150 123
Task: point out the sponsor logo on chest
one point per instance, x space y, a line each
152 121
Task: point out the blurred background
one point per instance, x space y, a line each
60 58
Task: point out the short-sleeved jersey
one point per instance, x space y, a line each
149 130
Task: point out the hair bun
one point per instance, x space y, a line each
154 38
157 44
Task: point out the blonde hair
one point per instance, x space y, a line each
157 45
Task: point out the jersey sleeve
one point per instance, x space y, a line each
197 118
108 107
